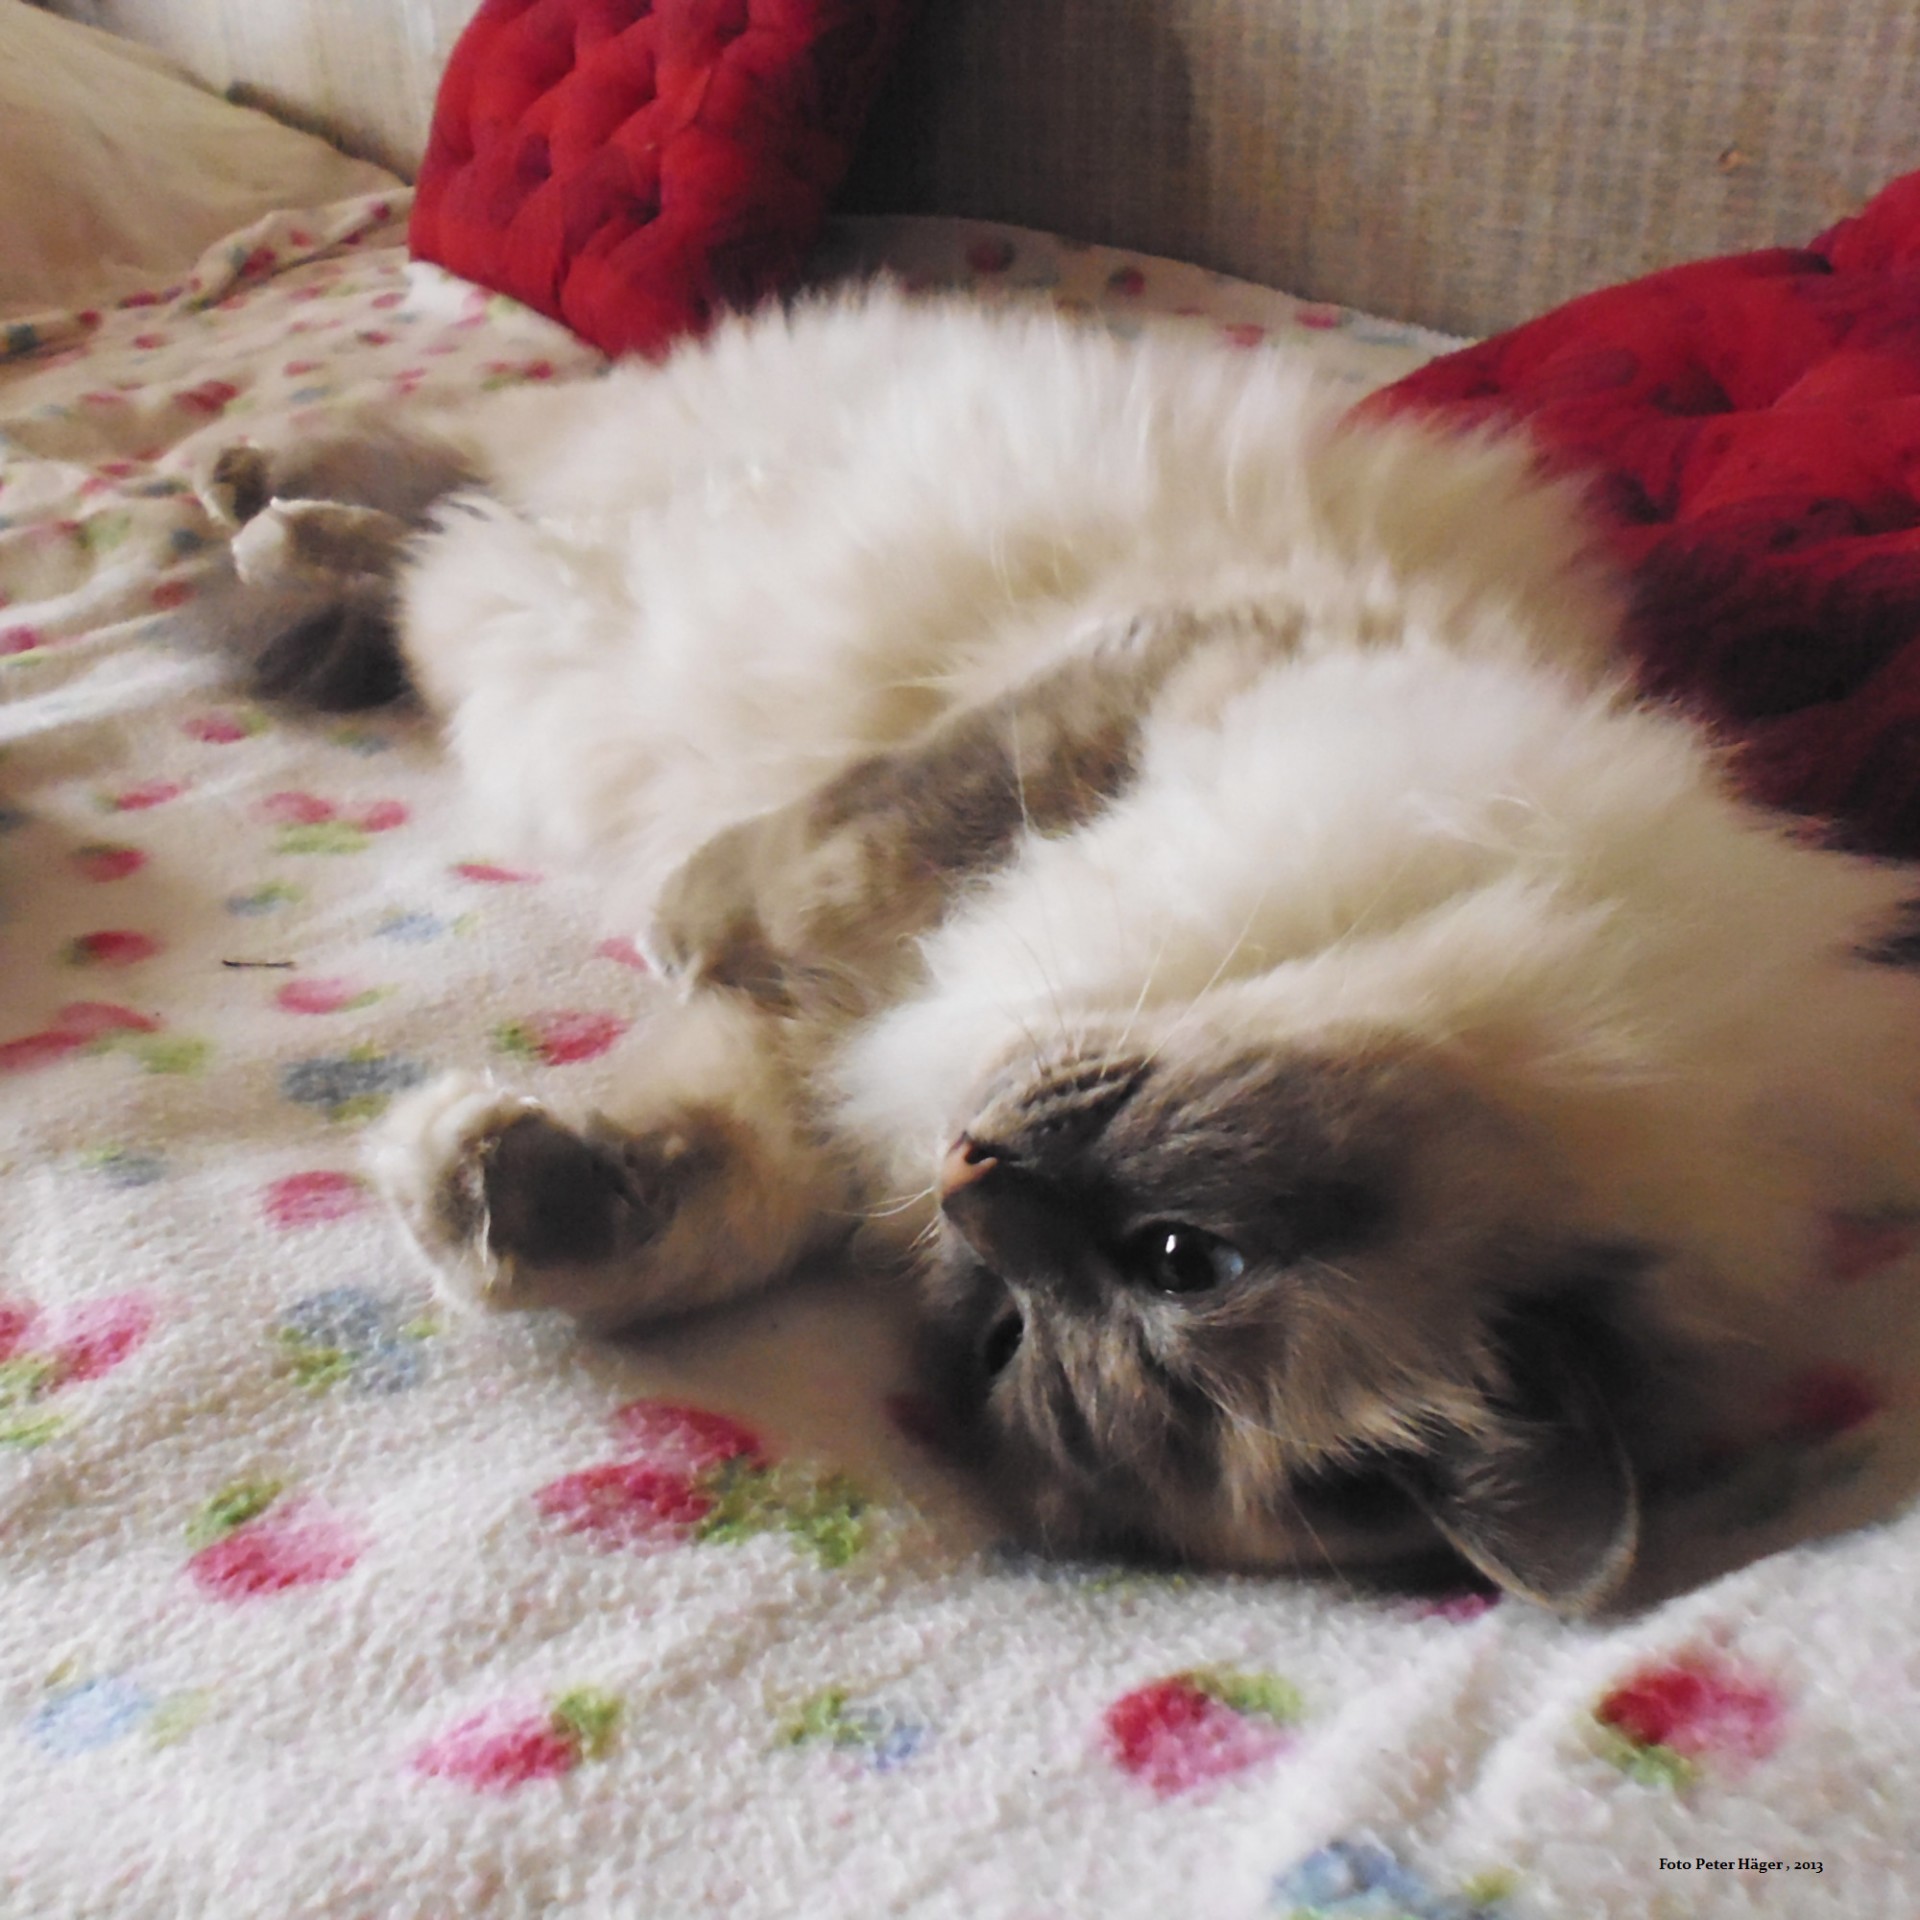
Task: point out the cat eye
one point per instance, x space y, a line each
1001 1344
1173 1258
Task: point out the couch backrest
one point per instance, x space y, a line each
1460 162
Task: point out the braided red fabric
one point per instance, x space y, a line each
1754 426
632 167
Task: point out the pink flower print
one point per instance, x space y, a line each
1322 319
1190 1730
505 1747
103 860
295 368
1469 1603
222 727
252 1539
1129 281
92 1337
319 996
17 1321
170 594
626 1504
1668 1719
210 398
35 1050
21 639
622 952
489 875
43 1353
560 1039
296 809
702 1477
311 824
687 1439
78 1027
152 793
314 1199
91 1022
1243 333
111 947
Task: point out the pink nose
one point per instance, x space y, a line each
967 1161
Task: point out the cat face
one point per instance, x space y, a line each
1275 1305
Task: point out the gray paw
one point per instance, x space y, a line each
551 1197
514 1209
240 485
340 659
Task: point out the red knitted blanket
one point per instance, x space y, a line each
1753 424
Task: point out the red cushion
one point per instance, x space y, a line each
633 166
1754 426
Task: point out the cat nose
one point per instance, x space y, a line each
1022 1226
967 1161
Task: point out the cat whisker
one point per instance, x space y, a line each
892 1209
1196 1001
1146 987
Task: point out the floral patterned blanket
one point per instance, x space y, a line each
316 1603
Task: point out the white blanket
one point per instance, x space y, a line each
316 1602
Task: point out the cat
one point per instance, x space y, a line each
1178 872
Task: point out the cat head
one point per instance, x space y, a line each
1255 1306
1346 1143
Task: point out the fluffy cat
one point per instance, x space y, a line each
1180 868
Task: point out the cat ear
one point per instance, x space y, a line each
1543 1499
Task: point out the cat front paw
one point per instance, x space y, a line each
515 1209
430 1158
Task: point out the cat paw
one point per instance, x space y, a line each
429 1158
318 543
238 487
342 658
513 1208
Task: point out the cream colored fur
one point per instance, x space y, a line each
1429 810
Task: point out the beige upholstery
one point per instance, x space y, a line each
1459 162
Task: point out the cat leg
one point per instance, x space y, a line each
319 532
814 907
705 1179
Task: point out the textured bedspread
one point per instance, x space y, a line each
315 1601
